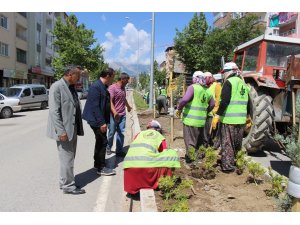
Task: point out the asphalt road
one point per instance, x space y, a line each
29 170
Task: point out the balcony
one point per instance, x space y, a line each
288 33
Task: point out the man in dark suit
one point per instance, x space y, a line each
97 113
64 124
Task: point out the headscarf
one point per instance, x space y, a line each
230 70
154 124
204 79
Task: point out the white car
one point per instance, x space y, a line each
8 106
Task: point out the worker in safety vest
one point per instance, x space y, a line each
161 100
209 134
148 159
195 105
232 114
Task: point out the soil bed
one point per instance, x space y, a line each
224 193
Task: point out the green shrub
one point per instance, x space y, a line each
278 184
242 160
285 202
256 170
173 188
292 145
192 153
178 206
210 159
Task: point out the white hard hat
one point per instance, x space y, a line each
218 76
229 66
197 74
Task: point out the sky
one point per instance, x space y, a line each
126 36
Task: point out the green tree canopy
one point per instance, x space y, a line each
200 49
188 43
159 76
144 80
76 45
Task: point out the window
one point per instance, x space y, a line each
3 21
26 92
38 48
277 53
251 58
39 91
3 49
1 97
21 56
38 27
48 61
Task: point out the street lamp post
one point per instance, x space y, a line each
151 100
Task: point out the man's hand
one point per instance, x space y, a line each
63 137
117 117
215 121
103 128
129 108
178 113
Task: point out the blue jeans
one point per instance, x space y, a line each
118 127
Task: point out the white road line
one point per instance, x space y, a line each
103 194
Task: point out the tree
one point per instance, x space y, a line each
189 43
221 42
159 76
200 49
144 80
74 46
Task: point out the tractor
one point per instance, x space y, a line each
270 65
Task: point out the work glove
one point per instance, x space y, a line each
249 122
178 113
215 121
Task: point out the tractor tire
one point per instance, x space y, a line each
262 114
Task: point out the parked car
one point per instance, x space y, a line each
30 95
3 90
8 106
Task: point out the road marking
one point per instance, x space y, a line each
103 194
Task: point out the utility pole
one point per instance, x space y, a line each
151 100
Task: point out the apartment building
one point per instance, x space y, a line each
13 48
41 47
26 47
222 19
285 24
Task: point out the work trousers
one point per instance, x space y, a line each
100 148
66 154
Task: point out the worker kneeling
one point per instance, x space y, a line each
148 159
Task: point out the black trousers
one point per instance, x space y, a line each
100 148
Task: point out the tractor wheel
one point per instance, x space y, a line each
262 114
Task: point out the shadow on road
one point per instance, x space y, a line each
86 177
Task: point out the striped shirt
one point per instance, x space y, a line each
118 96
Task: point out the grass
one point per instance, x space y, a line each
139 101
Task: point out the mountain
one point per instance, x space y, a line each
132 69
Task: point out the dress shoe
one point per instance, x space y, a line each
76 191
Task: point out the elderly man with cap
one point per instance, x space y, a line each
148 159
232 114
196 104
